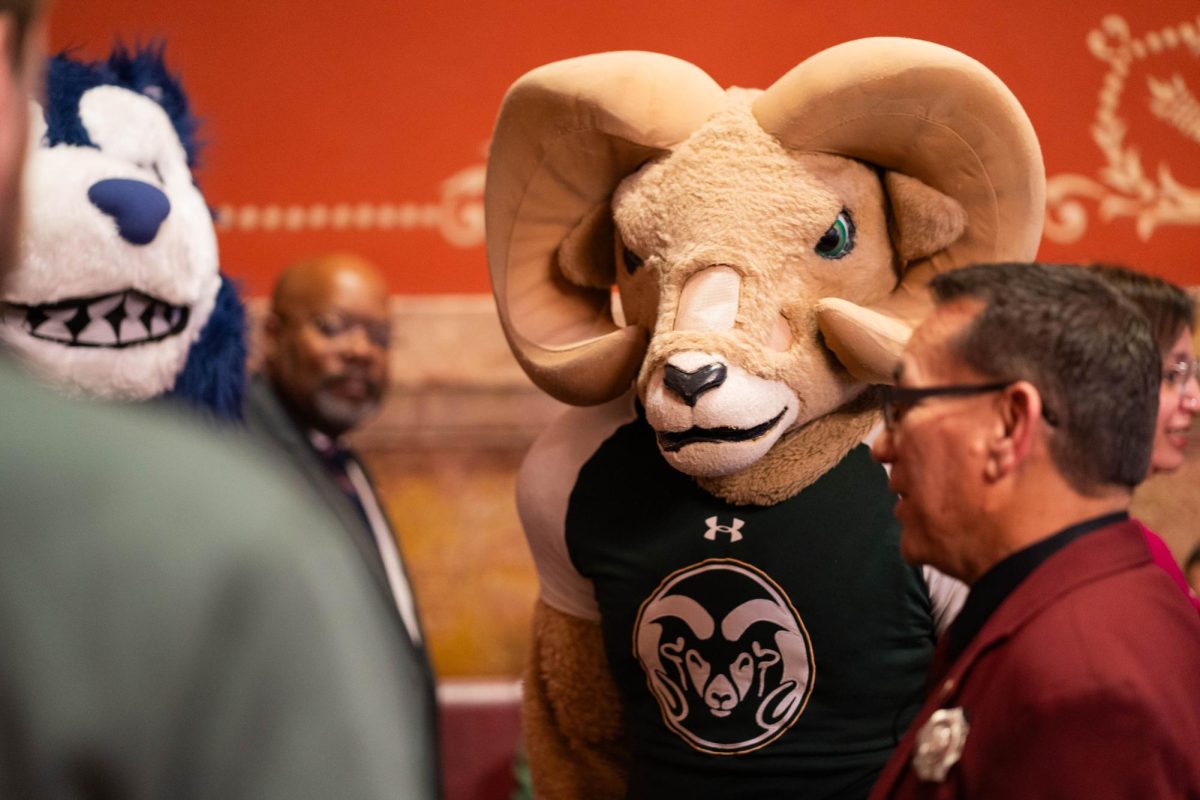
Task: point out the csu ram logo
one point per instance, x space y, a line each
726 656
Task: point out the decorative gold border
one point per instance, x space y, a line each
457 216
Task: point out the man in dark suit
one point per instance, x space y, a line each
325 368
1021 421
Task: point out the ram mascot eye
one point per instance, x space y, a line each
632 260
838 241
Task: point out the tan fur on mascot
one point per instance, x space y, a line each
723 608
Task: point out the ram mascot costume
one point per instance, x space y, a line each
723 608
117 292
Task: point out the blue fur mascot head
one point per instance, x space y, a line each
117 292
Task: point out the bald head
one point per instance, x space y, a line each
325 349
308 283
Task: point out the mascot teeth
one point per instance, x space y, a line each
120 319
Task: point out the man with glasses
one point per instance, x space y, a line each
325 368
1021 421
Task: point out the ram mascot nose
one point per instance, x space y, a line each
569 132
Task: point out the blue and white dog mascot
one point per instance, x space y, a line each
117 293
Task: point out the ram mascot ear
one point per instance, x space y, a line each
567 134
930 113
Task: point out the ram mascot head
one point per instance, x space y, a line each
770 249
117 292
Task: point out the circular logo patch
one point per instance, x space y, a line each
726 656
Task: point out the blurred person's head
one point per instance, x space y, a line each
1029 387
326 342
21 32
1172 318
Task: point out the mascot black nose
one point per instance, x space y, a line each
690 385
137 207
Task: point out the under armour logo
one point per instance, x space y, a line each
733 530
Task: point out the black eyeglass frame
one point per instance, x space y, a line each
333 325
902 399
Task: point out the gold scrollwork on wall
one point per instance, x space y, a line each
1124 187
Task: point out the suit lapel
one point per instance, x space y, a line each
265 412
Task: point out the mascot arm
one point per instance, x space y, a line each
573 729
572 714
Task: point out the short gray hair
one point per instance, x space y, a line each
1087 349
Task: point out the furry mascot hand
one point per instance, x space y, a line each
117 292
708 518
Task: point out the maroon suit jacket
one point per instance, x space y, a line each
1084 684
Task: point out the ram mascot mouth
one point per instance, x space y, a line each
117 292
770 249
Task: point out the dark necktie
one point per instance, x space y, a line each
336 460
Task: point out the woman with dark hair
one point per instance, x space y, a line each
1172 317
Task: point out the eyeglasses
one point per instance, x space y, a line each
335 326
1178 374
899 400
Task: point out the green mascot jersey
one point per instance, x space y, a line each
761 651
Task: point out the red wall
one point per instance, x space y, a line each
378 103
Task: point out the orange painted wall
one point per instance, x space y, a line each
378 111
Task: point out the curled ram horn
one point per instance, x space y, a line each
929 112
670 686
684 608
567 134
